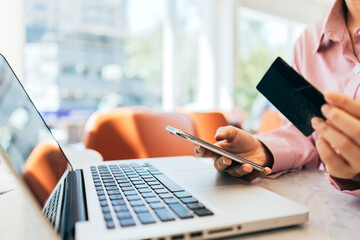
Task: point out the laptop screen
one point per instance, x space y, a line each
26 139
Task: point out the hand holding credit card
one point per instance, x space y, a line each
292 95
213 148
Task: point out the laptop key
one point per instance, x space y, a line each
203 212
128 193
152 200
133 197
127 184
164 214
165 195
141 186
118 202
188 200
140 209
136 203
102 197
123 215
128 189
146 218
159 191
105 209
168 183
144 190
121 208
170 200
110 224
108 180
122 180
110 184
127 222
156 205
101 192
115 197
182 194
180 210
113 192
154 183
193 206
148 194
103 203
108 217
111 188
155 172
158 186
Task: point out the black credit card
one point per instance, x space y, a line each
292 95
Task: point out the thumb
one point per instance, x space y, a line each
225 133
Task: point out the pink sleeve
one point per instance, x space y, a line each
345 185
290 148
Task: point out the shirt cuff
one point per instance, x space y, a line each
283 158
345 185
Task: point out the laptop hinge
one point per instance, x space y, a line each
74 206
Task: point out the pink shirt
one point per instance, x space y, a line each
324 56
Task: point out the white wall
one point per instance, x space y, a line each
12 34
305 11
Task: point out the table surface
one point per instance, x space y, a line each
333 215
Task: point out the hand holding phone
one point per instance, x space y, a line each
213 148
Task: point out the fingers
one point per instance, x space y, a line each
239 170
222 163
256 174
339 142
335 165
348 104
226 133
201 152
343 121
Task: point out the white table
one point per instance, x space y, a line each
333 215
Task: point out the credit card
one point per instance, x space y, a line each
292 95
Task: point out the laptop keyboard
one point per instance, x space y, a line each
132 191
50 209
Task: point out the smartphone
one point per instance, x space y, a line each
213 148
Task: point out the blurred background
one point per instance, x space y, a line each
75 57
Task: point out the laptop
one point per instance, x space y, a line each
159 198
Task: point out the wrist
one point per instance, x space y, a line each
269 158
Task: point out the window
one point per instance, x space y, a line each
261 38
81 56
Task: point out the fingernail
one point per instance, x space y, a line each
315 121
330 95
197 149
224 162
246 169
220 130
325 109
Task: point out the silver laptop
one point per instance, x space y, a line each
163 198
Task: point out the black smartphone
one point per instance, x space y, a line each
292 95
213 147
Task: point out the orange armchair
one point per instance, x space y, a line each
207 123
270 120
156 140
114 134
40 173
